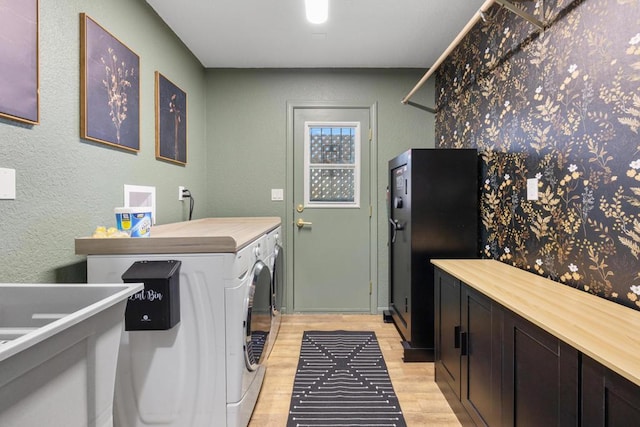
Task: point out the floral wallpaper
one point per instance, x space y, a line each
561 106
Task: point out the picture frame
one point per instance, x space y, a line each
109 88
171 121
19 61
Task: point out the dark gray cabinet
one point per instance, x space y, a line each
481 357
448 330
497 369
607 398
468 350
540 377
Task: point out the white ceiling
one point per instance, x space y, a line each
275 33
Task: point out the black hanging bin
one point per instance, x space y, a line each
157 306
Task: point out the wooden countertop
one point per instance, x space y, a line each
601 329
207 235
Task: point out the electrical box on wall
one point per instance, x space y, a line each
140 196
7 184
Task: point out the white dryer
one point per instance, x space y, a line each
207 370
275 257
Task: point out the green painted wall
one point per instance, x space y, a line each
67 186
247 126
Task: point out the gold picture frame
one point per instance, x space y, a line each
171 121
109 88
19 61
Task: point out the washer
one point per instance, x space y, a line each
276 263
208 369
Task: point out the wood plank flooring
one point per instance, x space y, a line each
420 398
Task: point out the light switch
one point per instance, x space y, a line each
532 189
7 184
277 194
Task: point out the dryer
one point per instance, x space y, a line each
208 369
275 258
248 309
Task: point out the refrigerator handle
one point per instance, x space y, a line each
395 224
395 227
393 230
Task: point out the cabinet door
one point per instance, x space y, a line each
400 246
540 375
447 330
481 357
607 398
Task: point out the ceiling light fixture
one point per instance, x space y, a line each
317 11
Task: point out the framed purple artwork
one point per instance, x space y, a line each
19 91
171 121
109 88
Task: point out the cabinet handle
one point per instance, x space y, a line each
464 343
456 337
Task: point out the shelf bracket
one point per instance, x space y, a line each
480 14
521 13
422 107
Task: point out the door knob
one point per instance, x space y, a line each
301 223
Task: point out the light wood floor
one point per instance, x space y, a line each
420 398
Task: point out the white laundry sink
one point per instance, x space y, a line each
58 352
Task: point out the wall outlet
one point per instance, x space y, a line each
180 191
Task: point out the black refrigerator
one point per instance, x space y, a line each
433 213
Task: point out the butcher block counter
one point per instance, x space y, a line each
207 235
605 331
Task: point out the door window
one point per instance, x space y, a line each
332 164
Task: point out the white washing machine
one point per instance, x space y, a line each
208 369
275 256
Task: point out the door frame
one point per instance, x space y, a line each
288 225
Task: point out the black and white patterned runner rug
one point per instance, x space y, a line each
342 380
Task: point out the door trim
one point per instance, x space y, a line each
292 106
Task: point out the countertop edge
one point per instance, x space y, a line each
206 235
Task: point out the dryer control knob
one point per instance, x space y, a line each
256 251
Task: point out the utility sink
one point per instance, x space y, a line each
58 352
